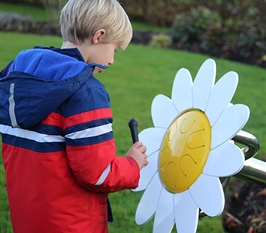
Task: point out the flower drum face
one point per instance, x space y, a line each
184 150
189 149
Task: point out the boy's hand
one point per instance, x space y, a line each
137 152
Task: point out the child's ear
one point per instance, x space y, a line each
98 35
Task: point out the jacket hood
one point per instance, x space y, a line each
37 82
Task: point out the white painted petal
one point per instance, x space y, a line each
152 139
208 193
203 84
163 111
221 95
164 216
148 202
229 123
186 213
148 172
225 160
182 90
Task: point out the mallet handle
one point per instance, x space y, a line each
133 125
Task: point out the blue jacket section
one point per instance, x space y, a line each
38 81
57 144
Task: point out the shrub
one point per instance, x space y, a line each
195 25
157 12
251 36
36 3
161 41
15 22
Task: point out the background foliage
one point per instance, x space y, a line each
142 71
233 28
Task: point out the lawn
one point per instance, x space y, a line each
35 13
138 75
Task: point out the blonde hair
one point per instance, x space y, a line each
82 18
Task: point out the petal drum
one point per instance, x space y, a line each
184 150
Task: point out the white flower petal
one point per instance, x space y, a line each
152 139
203 84
225 160
148 172
186 213
163 111
221 95
164 216
208 193
229 123
148 202
182 90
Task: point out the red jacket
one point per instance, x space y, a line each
57 144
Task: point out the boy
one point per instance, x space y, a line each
55 119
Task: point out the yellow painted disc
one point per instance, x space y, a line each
184 150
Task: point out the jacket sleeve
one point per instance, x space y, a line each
5 71
90 145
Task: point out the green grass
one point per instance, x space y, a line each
138 75
34 12
144 71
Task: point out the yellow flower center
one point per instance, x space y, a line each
184 150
